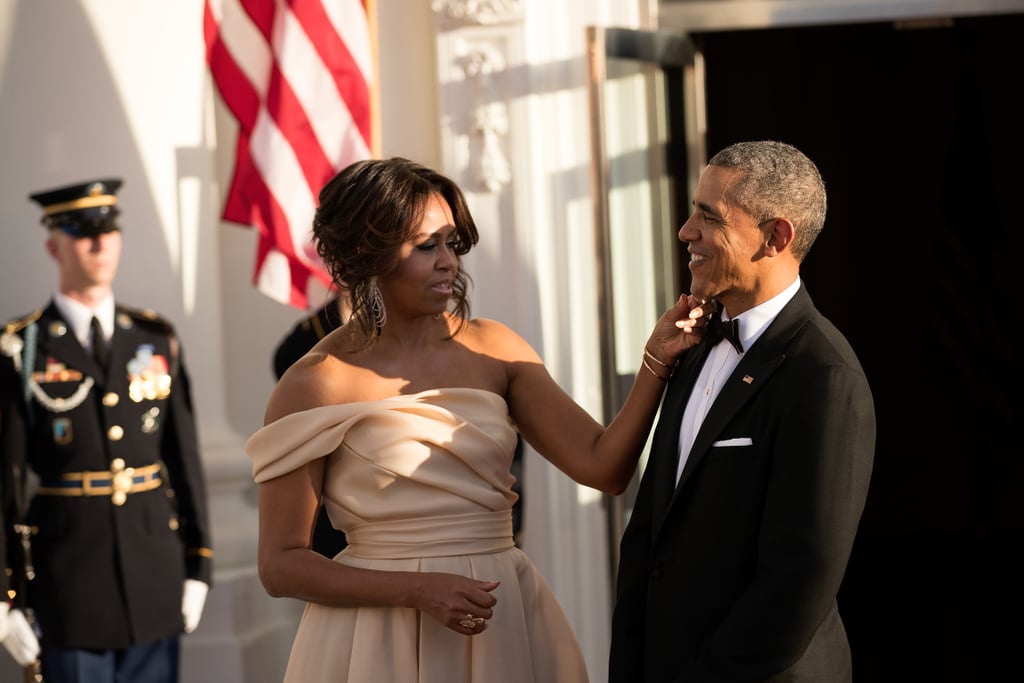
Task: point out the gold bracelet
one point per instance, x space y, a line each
659 361
648 366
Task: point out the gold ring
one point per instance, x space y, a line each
468 621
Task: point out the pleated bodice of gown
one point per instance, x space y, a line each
421 482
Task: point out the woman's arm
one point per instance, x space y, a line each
564 433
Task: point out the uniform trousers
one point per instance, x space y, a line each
155 662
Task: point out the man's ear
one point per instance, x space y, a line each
779 236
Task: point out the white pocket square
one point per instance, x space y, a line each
741 441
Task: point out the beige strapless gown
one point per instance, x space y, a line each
421 482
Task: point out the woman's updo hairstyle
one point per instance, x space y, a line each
366 212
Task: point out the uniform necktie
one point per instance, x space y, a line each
99 344
719 329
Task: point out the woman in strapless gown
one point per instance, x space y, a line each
403 423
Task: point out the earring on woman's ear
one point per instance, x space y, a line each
380 313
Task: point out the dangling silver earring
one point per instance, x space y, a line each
380 314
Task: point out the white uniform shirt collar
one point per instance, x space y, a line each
79 316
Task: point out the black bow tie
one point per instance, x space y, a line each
719 329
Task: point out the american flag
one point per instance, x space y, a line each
298 75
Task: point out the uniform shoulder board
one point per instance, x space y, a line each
147 316
18 324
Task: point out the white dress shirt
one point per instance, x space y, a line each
719 365
79 317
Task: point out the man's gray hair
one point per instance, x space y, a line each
777 181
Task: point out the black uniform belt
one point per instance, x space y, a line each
116 483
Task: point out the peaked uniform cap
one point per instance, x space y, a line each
82 210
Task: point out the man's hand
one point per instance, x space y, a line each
192 602
17 636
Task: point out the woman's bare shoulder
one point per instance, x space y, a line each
498 340
316 379
325 375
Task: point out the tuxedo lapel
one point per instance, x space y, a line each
752 373
743 384
665 443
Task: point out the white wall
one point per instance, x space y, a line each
119 88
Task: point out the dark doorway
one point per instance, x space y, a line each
918 133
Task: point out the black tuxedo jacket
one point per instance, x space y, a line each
107 574
732 574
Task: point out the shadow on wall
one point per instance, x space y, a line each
62 120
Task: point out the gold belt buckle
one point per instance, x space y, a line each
121 481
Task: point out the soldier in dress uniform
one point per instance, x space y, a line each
106 534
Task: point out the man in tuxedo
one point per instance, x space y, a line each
760 461
106 541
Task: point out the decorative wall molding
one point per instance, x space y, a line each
455 13
480 62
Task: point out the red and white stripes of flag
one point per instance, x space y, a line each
298 77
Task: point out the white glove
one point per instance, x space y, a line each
17 636
192 601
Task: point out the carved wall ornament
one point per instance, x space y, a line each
477 12
489 124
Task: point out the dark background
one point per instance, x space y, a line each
918 134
